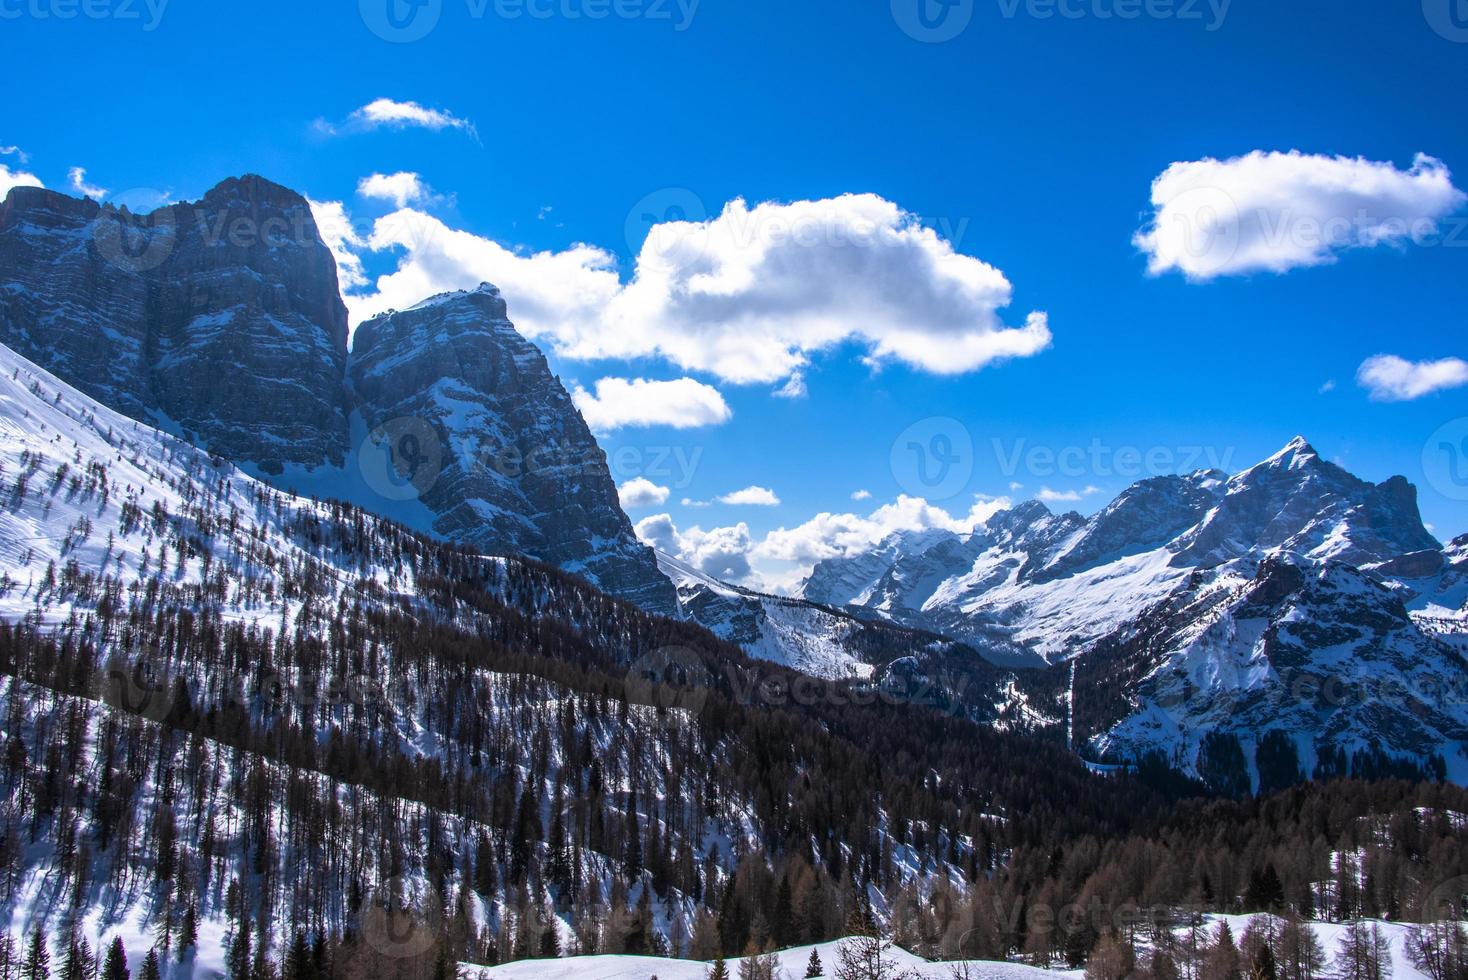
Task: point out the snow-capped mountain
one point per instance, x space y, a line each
1309 661
1029 585
222 320
810 637
1193 608
511 467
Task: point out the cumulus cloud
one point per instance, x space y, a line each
830 535
748 296
642 492
77 178
861 495
1389 378
751 497
785 556
620 403
401 188
1279 211
722 552
335 228
16 178
1065 496
390 113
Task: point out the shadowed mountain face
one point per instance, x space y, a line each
222 320
519 470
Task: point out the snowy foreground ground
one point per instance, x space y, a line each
793 962
209 963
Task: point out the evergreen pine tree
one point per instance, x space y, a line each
37 964
115 966
719 971
814 969
152 968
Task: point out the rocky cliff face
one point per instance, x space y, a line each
517 470
1318 654
222 319
219 318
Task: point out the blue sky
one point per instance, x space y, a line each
1025 141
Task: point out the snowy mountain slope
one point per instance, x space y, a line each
1320 655
1297 503
314 703
899 663
1052 585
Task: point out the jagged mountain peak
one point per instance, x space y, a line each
253 188
516 470
222 320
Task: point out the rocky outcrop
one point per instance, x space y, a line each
515 469
219 318
222 320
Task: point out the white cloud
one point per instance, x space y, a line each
1279 211
619 403
862 495
749 296
16 178
336 231
77 178
794 387
642 492
1326 388
722 552
786 556
1389 378
751 497
21 156
402 188
1015 485
830 535
1065 496
386 112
